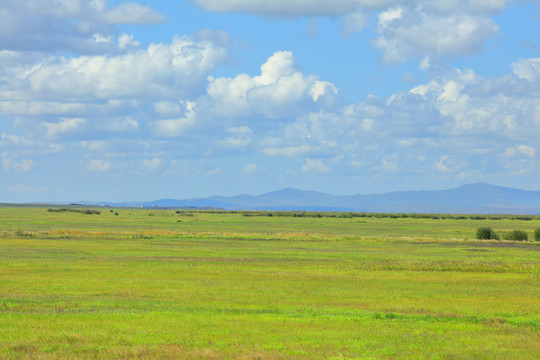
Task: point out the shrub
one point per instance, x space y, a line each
486 233
518 235
81 211
525 218
537 234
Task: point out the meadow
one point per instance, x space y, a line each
147 283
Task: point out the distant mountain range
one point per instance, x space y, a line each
479 198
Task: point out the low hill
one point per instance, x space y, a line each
478 198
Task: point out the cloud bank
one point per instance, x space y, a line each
90 100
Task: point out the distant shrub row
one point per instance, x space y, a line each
351 215
81 211
487 233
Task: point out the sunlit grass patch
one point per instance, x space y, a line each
228 286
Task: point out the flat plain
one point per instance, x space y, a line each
146 283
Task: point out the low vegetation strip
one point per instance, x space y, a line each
81 211
228 286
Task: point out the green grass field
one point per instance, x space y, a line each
201 285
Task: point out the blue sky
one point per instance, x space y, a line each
112 100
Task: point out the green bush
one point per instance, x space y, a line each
518 235
81 211
537 234
486 233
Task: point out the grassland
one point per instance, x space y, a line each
202 285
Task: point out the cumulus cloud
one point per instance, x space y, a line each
240 136
143 91
132 13
408 33
19 166
125 41
161 71
177 127
355 22
153 164
456 123
291 8
251 169
214 172
290 151
440 165
280 89
344 7
315 166
125 124
68 25
405 29
161 102
26 189
95 145
389 163
98 165
520 151
527 69
7 140
66 127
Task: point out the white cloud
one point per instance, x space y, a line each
355 22
460 119
95 145
406 29
25 189
451 91
19 166
292 7
440 165
242 136
408 33
251 169
527 150
239 130
126 40
153 164
280 89
469 6
214 172
168 108
127 124
66 127
177 127
537 114
520 151
159 104
138 92
40 108
389 164
315 166
162 71
527 69
425 63
98 165
7 140
133 13
386 17
291 151
67 25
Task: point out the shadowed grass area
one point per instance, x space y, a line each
227 286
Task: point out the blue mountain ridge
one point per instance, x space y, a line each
478 198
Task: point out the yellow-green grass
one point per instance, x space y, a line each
225 286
